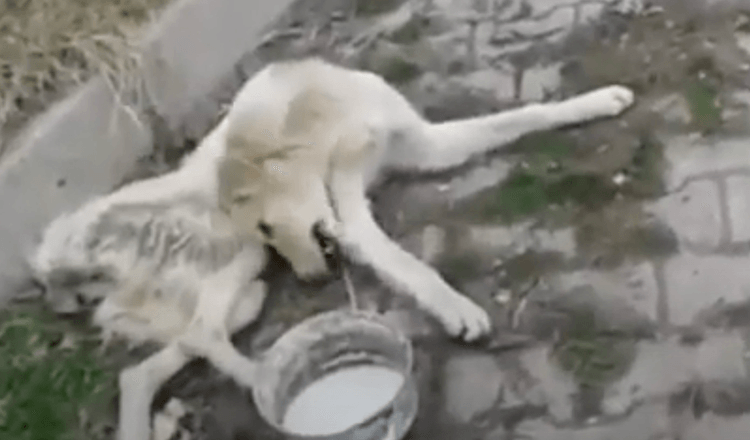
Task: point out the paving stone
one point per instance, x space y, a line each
650 421
471 385
411 323
590 11
659 369
717 427
433 243
493 81
635 284
556 386
695 283
663 367
478 179
521 237
673 109
721 357
557 240
546 22
743 41
495 238
690 156
738 202
694 214
539 80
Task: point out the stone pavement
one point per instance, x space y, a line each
615 263
671 323
685 311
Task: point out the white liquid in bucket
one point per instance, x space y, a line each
340 400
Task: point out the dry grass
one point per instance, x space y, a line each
47 46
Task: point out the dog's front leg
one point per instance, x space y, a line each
225 305
424 146
139 384
364 241
214 345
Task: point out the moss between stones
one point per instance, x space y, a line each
592 359
525 194
703 99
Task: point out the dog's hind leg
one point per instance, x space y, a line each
139 384
439 146
208 337
223 307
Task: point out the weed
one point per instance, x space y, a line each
592 359
48 46
54 385
703 100
524 194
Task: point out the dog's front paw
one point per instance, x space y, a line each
606 101
462 317
199 340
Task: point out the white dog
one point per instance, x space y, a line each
175 259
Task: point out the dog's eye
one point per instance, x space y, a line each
265 229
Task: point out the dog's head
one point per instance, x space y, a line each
287 209
61 267
272 181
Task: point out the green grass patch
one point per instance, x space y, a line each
524 194
54 384
593 360
548 177
703 100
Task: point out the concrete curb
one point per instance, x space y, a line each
85 145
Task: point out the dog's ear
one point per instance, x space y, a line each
237 181
309 112
351 146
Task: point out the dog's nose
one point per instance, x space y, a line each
329 247
84 301
319 280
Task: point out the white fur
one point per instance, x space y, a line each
369 127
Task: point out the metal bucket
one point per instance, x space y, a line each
327 343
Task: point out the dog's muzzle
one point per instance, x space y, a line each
329 247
